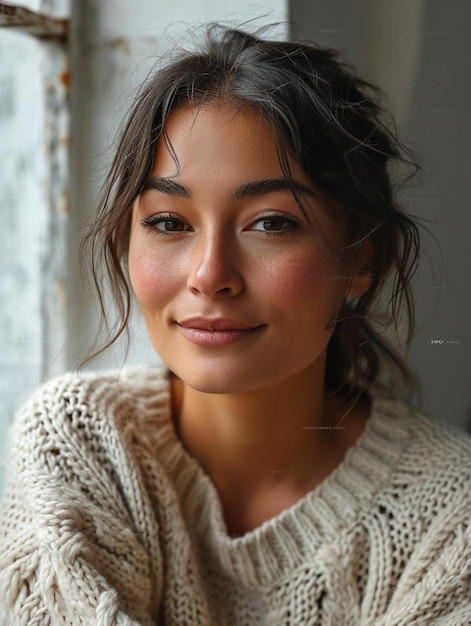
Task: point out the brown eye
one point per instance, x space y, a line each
274 224
170 225
165 223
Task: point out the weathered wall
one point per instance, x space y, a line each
23 223
33 216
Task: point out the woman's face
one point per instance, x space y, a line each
235 283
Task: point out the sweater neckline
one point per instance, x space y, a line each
313 523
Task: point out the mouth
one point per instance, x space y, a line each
218 331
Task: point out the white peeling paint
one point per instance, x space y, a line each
34 133
23 219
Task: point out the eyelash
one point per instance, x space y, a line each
153 221
292 224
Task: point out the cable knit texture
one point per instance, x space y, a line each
107 520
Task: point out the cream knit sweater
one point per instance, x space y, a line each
107 520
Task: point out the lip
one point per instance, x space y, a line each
216 331
216 324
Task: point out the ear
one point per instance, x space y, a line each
359 284
361 277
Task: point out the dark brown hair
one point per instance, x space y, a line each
331 122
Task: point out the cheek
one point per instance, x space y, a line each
304 278
153 279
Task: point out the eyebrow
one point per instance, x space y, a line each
167 186
250 189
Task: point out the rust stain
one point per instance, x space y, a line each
64 79
63 205
122 43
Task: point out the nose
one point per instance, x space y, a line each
215 266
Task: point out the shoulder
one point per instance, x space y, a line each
427 444
438 460
437 449
97 384
86 411
96 392
431 474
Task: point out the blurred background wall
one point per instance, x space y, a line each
68 73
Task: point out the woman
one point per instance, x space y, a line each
270 473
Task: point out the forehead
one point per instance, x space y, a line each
221 136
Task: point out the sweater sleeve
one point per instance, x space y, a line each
70 552
435 586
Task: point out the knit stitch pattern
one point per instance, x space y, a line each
107 520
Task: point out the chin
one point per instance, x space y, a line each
216 380
214 384
212 389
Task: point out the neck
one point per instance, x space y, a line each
254 441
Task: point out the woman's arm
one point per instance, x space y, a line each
70 550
